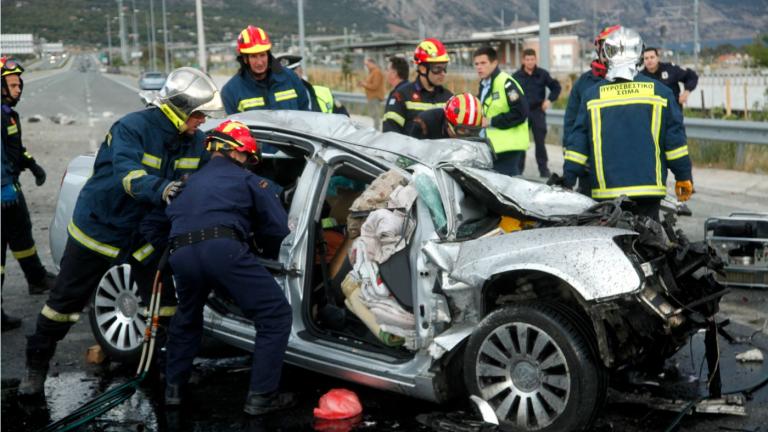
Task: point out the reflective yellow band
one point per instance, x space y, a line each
109 139
28 155
423 106
165 311
143 252
132 176
285 95
575 157
52 315
395 117
91 243
151 161
186 163
630 191
2 269
650 100
246 104
26 253
13 129
178 122
677 153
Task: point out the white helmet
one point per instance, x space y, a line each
624 51
187 90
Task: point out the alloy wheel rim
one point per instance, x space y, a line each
119 314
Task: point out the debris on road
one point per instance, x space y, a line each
753 355
35 118
734 404
95 355
62 119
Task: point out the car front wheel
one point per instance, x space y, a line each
535 367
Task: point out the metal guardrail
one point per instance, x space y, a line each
737 131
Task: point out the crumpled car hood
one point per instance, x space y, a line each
516 196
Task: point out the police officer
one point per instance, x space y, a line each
462 117
671 75
261 82
17 226
320 97
597 71
629 131
505 111
534 81
425 93
221 206
137 168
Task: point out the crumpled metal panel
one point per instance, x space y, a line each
389 146
529 198
584 257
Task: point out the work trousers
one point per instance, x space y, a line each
374 109
509 162
17 234
229 266
537 123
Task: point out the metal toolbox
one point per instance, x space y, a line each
741 240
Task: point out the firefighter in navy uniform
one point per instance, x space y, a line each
137 168
669 74
425 93
461 117
639 133
221 206
261 82
17 226
321 98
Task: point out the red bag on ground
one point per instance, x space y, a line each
338 404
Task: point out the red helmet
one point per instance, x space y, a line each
253 40
430 51
604 33
232 135
9 66
464 110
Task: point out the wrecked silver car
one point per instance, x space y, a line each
412 267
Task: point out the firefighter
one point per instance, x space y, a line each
320 97
137 168
629 131
424 93
17 226
221 207
505 111
597 71
461 117
261 82
669 74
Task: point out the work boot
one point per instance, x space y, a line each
33 382
43 285
172 395
10 323
263 403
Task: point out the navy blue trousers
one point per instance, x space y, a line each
228 265
509 162
537 123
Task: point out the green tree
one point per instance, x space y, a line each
759 50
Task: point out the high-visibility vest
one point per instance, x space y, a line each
324 98
495 103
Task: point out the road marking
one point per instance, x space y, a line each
129 87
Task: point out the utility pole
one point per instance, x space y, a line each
152 26
165 40
201 57
109 41
135 23
123 38
517 43
302 53
544 34
696 45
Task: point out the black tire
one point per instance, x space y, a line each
117 315
555 376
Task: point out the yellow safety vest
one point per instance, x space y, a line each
495 103
324 98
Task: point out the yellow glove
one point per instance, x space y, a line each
684 190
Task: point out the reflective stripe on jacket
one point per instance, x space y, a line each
282 89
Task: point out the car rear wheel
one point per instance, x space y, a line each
118 314
536 369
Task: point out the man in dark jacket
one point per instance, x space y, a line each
138 167
669 74
17 226
535 81
221 206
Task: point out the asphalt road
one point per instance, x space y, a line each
93 101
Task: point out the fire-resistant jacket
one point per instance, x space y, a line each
629 133
280 90
585 81
140 155
15 156
407 101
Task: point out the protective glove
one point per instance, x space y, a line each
172 190
684 190
10 197
39 174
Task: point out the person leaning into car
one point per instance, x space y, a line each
261 82
137 167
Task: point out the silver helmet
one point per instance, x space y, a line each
624 51
187 90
